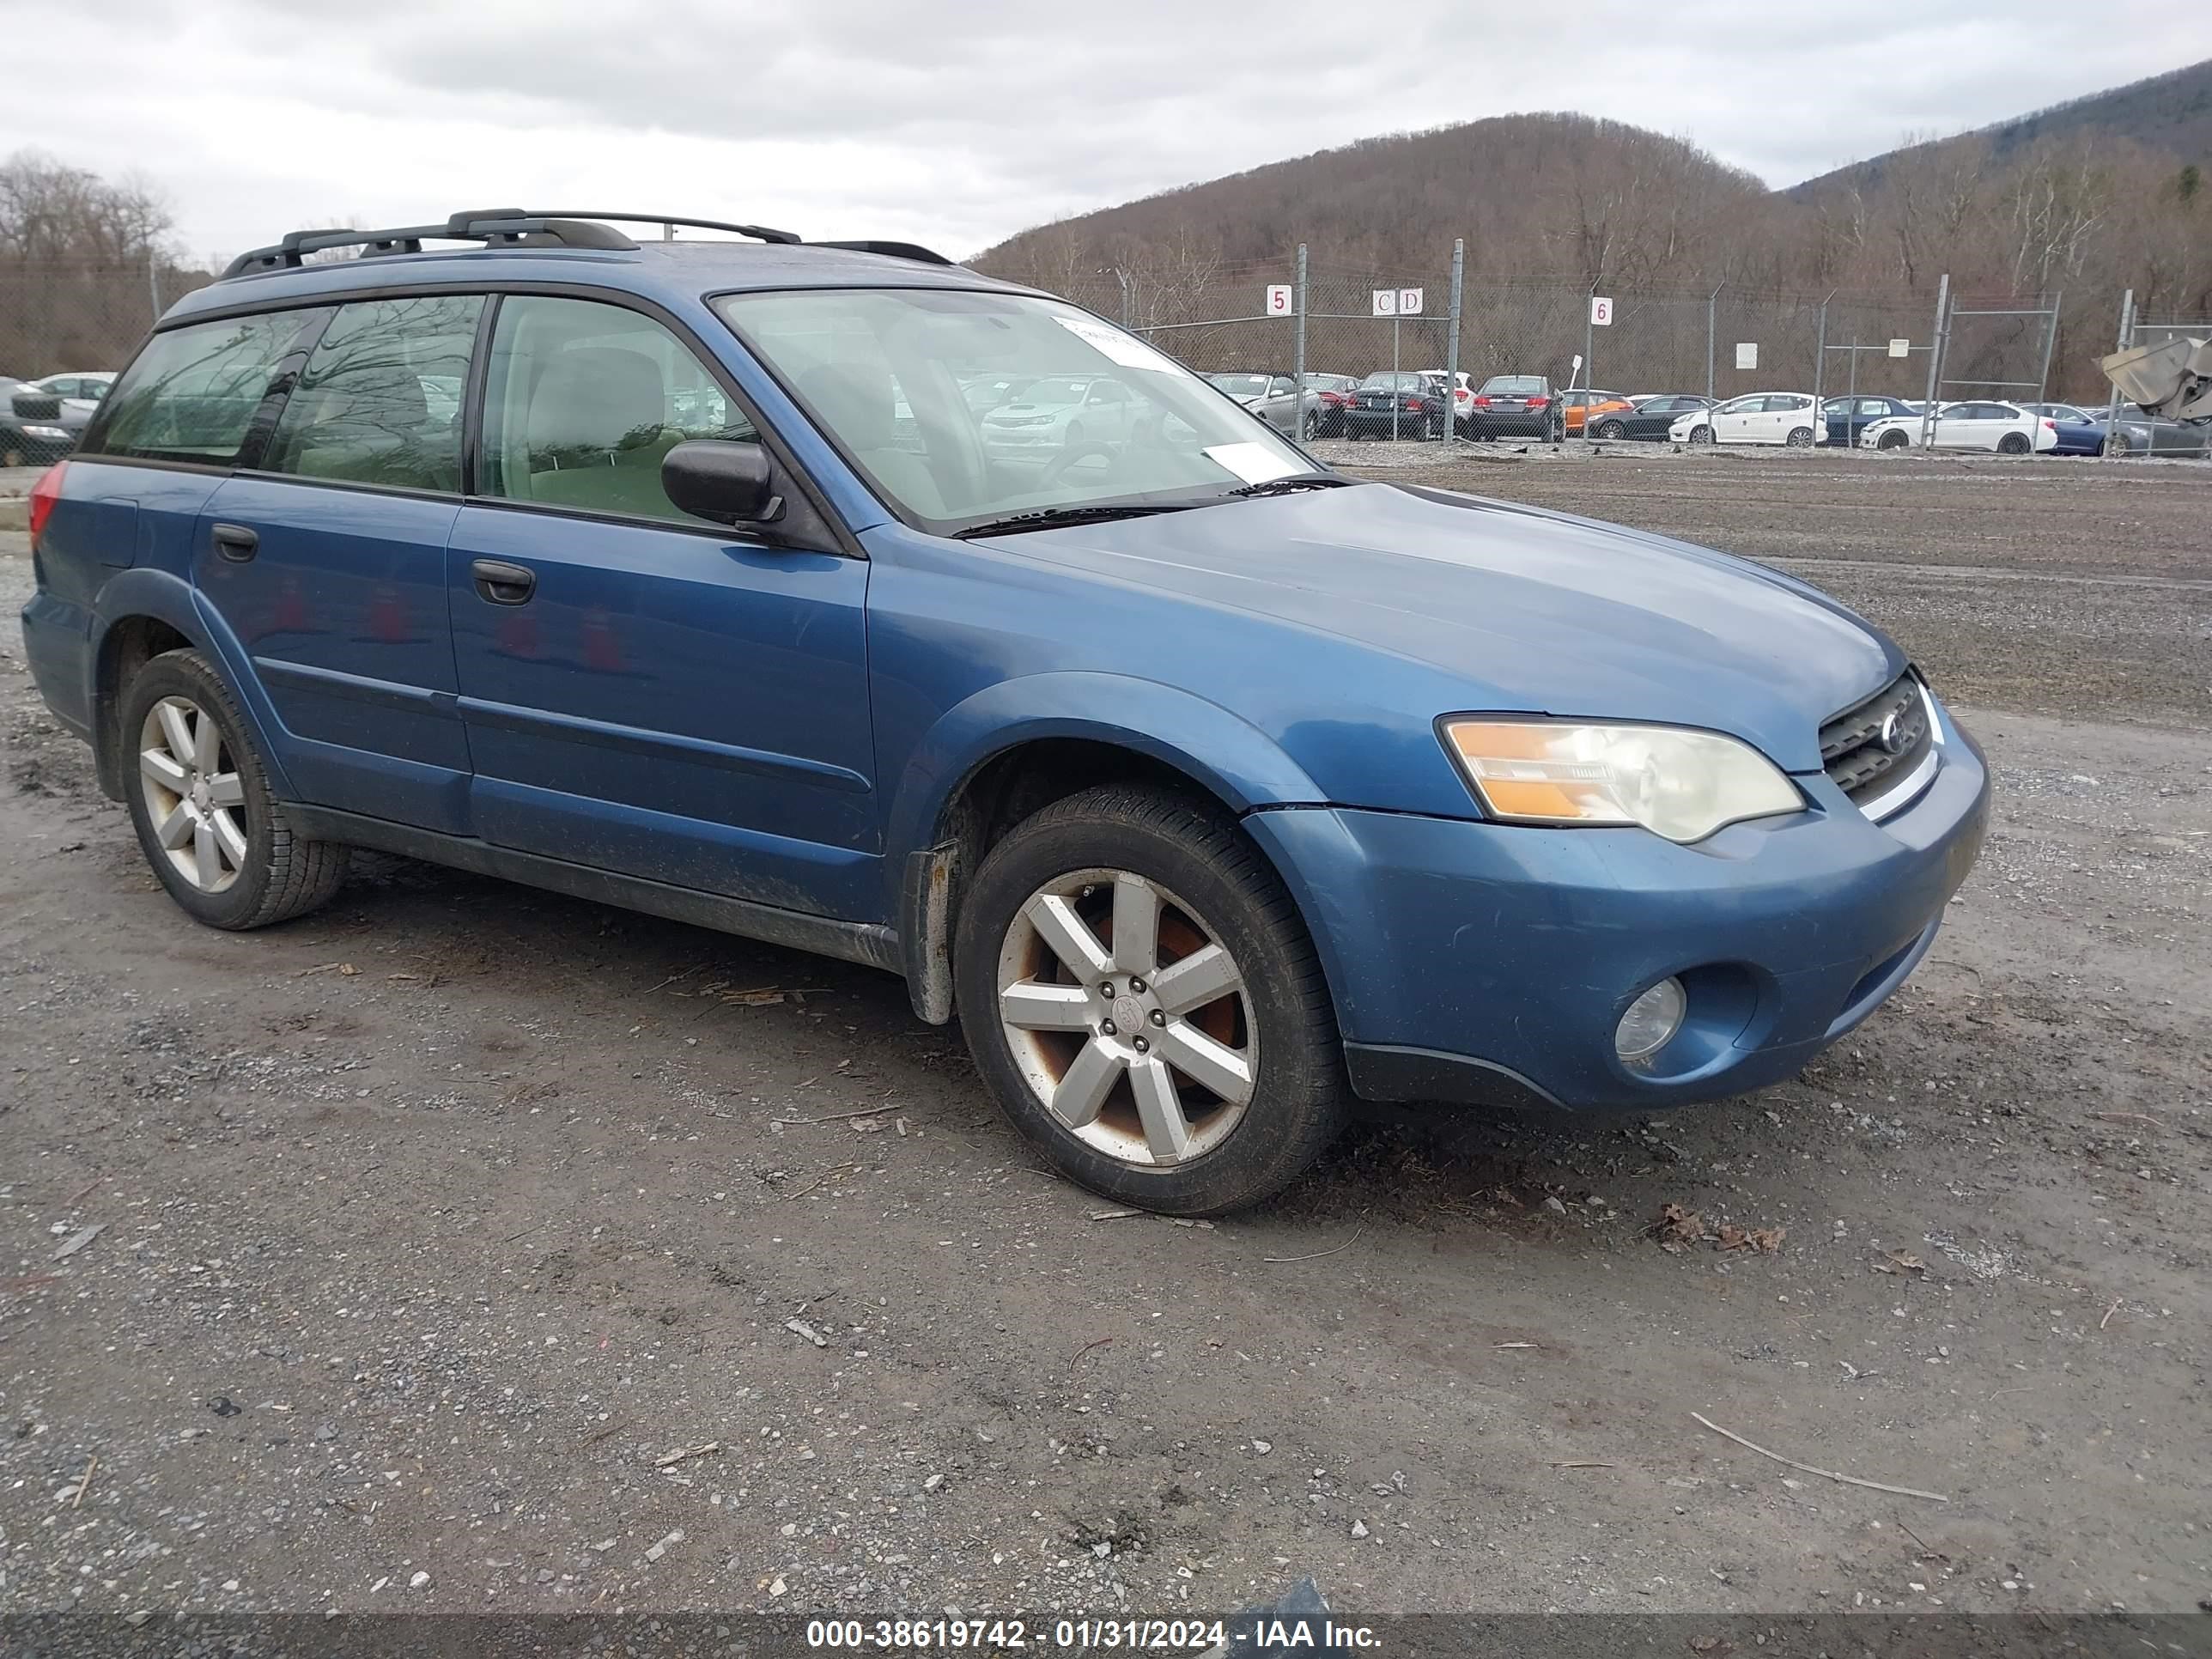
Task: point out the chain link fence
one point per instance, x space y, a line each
1280 317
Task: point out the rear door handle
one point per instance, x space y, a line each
501 583
235 542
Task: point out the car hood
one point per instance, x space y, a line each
1524 610
1025 411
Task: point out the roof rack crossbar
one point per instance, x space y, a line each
891 251
758 232
500 228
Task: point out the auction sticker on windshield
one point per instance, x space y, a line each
1253 463
1112 344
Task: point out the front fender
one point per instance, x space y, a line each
168 598
1223 753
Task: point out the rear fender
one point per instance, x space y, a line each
146 592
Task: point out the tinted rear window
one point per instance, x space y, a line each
193 392
1513 385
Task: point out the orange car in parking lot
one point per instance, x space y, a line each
1587 405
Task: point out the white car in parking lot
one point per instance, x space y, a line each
2003 429
1758 417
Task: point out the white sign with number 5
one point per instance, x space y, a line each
1282 299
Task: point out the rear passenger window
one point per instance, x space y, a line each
582 401
192 393
380 401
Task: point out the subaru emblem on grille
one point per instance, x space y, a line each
1892 736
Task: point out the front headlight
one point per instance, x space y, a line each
1680 784
50 434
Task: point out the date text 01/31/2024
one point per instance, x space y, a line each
1200 1637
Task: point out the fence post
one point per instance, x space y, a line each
2126 339
1589 342
1712 305
154 279
1299 366
1451 345
1821 358
1935 359
2049 343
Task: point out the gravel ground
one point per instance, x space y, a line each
450 1241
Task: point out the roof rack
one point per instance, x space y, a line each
521 228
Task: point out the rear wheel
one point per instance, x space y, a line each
2013 443
1800 437
1140 994
1311 425
199 799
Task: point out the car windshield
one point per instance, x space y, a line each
1513 385
1385 380
880 371
1241 386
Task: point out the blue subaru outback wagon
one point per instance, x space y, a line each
837 596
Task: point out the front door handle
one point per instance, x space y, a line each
501 583
235 542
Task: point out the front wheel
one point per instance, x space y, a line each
1139 994
199 799
1893 440
1613 431
1701 434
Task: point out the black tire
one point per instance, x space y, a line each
1613 431
2013 443
1800 437
1311 425
283 874
1701 434
1893 440
1432 429
1300 1098
1558 434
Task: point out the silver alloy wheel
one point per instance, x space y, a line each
194 799
1127 1017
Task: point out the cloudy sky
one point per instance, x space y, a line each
958 122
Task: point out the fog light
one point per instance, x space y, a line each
1651 1021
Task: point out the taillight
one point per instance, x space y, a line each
1482 402
1540 403
43 494
1415 404
2051 426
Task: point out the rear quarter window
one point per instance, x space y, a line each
192 393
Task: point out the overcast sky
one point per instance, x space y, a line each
958 122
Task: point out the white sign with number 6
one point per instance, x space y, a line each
1282 299
1601 311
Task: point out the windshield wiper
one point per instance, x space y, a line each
1296 481
1053 518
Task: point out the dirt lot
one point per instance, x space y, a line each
436 1227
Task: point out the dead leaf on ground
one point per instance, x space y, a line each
1679 1228
1765 1240
1900 1261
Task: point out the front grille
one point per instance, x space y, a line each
1872 746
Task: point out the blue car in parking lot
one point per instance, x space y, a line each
1209 789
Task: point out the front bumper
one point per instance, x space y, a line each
1489 964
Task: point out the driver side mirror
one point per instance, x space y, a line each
722 481
37 406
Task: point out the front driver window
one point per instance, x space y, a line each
583 400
